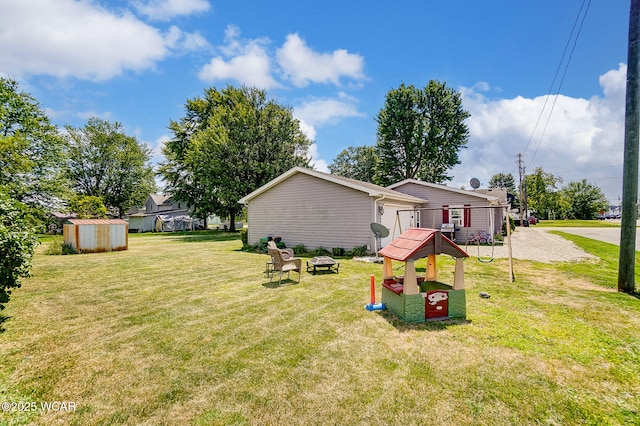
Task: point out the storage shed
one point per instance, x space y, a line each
96 235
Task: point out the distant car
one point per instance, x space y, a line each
533 220
600 216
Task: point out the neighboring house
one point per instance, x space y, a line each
316 209
60 218
160 209
468 211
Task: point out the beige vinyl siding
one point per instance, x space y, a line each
439 197
306 210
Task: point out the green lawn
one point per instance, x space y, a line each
185 329
579 223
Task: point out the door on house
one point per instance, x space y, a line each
436 304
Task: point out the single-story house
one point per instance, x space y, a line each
316 209
313 208
470 212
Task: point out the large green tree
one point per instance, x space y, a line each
356 162
17 243
542 192
229 143
503 180
31 150
420 133
582 200
105 162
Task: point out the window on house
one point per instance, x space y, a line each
456 216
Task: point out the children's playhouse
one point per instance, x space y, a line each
416 298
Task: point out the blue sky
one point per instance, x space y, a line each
138 61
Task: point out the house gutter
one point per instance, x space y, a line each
375 206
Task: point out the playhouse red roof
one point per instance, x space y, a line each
416 243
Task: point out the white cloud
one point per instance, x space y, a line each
80 39
164 10
322 111
246 61
316 161
327 110
582 140
302 65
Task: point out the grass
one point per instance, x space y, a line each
185 329
574 223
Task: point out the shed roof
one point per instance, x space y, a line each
97 221
369 188
416 243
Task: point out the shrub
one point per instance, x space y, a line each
244 237
320 251
55 247
338 251
359 251
67 248
17 244
300 249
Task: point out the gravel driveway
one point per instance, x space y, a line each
535 244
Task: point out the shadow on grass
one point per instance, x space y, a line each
275 284
426 326
3 319
200 236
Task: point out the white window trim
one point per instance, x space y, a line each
459 221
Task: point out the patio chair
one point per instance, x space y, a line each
284 265
286 252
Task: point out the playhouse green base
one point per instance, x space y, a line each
412 307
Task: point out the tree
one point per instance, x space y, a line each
420 133
88 207
228 144
31 150
542 192
357 162
583 200
17 243
104 162
502 180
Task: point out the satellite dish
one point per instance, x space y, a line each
380 231
475 183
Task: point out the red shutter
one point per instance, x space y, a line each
467 215
445 213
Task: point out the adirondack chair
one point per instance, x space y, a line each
282 265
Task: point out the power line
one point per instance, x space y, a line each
553 82
566 68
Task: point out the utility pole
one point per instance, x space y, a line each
626 266
523 202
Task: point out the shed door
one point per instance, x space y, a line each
436 304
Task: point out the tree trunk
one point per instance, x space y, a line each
232 220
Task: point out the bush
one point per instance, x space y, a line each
300 250
244 237
17 244
359 251
320 251
58 247
338 251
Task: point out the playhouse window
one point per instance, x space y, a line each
456 216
